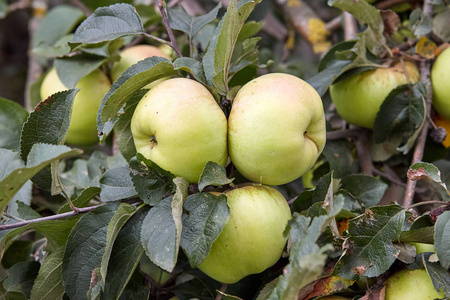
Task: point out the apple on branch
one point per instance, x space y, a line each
440 81
253 239
276 129
83 123
358 98
179 126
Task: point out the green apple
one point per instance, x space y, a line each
410 285
131 56
276 129
358 98
179 126
253 239
440 79
83 123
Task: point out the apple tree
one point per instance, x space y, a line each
249 149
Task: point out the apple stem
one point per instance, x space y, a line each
173 42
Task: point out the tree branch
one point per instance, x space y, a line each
173 41
425 67
54 217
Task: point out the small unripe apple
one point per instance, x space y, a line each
440 80
276 129
133 55
410 285
253 239
83 123
179 126
358 98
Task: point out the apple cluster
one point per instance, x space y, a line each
274 134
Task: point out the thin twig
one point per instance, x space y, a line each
222 289
345 133
49 218
80 5
173 42
425 67
389 176
428 203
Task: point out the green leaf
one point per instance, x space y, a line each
125 255
442 239
421 235
339 154
148 14
305 200
122 129
71 69
84 251
306 259
440 276
82 200
159 235
180 196
420 23
180 20
121 216
58 22
138 287
213 174
192 66
25 211
123 89
367 191
17 252
220 50
21 277
59 48
204 218
48 284
9 162
401 115
12 117
249 29
56 232
423 170
48 123
152 183
116 184
40 156
440 25
371 235
108 23
367 14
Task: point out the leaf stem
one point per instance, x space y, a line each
427 203
49 218
173 42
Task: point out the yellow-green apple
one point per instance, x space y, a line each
440 80
276 129
83 123
358 98
253 239
179 126
410 285
133 55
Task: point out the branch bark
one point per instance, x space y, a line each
425 69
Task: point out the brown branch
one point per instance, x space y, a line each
80 5
389 175
49 218
173 42
425 67
350 26
364 158
345 133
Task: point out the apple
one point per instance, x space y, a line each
134 54
83 123
440 78
179 126
253 239
358 98
410 285
276 129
